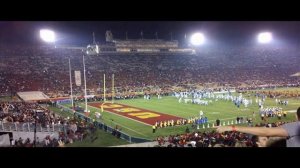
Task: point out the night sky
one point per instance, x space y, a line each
80 32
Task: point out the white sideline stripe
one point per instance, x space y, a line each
129 129
123 125
291 111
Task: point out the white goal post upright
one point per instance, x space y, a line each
104 94
113 88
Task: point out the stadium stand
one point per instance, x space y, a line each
45 70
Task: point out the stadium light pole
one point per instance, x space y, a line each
70 71
85 95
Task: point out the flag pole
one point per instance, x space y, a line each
71 84
85 95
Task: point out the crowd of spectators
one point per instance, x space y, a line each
27 68
73 129
28 112
213 138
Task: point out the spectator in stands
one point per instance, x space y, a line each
291 131
262 141
240 144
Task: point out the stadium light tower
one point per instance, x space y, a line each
197 39
47 35
85 94
265 37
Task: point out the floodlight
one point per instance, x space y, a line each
264 37
47 35
197 39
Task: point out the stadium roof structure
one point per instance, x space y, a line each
296 74
32 96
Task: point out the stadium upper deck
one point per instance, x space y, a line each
138 46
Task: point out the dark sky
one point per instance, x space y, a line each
80 32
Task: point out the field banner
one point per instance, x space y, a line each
78 78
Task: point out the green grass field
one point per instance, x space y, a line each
223 110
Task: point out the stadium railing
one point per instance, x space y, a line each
29 127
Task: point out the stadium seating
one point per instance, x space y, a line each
45 69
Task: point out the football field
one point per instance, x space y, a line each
136 116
